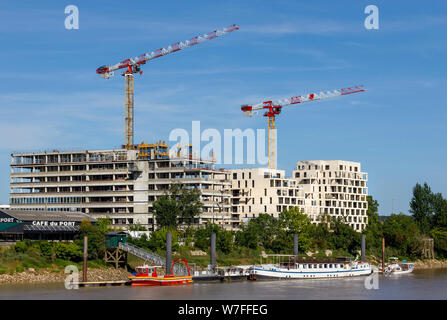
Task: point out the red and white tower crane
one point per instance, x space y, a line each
133 65
273 108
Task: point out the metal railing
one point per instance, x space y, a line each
151 257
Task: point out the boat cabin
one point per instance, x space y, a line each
333 266
146 271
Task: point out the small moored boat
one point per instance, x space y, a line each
394 267
147 276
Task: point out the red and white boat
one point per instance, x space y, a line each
147 276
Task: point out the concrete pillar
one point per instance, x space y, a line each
168 252
213 251
295 245
84 265
383 254
363 247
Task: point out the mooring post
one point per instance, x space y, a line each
383 254
84 271
295 246
168 252
213 252
363 247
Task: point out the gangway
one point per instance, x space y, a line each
151 257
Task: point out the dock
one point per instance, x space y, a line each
111 283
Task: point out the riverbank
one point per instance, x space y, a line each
418 264
430 264
52 276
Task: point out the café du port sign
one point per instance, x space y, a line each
53 223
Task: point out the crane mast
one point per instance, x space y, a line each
133 65
273 108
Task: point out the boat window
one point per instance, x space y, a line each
315 266
325 265
330 265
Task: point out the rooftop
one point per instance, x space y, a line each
24 215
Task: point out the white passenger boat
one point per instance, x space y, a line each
394 267
310 270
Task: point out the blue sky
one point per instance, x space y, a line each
50 96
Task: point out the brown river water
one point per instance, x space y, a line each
421 284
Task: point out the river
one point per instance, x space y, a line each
421 284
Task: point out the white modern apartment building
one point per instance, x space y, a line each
262 190
118 184
334 187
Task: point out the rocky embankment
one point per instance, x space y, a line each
418 264
430 264
47 276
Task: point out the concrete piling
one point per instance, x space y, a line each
363 247
383 254
168 252
213 251
295 246
84 271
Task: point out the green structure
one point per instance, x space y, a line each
113 253
114 238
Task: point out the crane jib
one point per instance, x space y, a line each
141 59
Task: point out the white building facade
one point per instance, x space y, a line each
262 191
336 188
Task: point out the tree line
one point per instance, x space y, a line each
403 233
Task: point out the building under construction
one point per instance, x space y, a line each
119 184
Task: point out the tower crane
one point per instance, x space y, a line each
133 65
273 108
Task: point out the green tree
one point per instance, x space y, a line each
320 233
421 207
157 240
178 204
402 233
268 228
190 205
373 231
166 211
440 241
96 237
439 205
344 236
293 221
260 231
137 227
142 241
248 236
224 238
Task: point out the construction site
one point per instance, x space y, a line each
122 184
